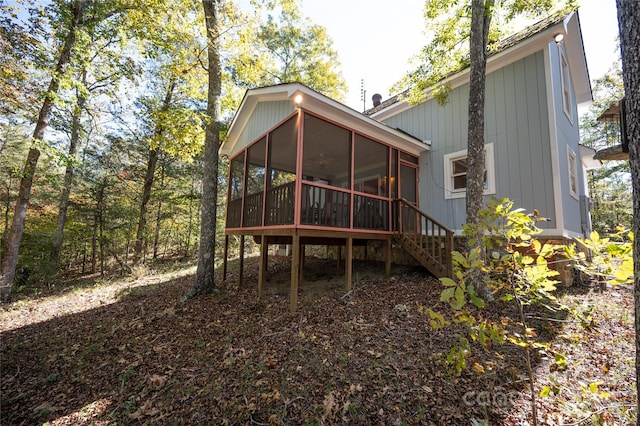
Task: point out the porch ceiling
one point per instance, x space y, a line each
323 106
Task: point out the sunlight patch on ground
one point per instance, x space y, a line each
23 313
588 380
86 414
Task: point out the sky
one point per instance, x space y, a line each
375 39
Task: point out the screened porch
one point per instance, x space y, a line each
309 172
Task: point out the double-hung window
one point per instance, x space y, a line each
565 83
455 173
573 172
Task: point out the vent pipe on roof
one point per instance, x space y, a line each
377 99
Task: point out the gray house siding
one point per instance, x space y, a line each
264 117
567 135
516 123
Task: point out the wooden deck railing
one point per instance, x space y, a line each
234 213
324 207
428 241
280 202
252 215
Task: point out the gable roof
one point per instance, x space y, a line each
321 105
533 38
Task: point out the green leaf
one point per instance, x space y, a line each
436 319
447 294
477 301
459 299
544 392
448 282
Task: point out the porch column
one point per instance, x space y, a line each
295 273
224 261
241 266
302 257
387 263
262 274
349 263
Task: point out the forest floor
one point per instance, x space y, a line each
128 351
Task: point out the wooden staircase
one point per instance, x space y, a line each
428 241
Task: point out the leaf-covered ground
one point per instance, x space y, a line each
129 352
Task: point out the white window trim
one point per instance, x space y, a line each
565 88
572 172
450 192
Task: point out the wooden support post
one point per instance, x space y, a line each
224 261
348 263
302 257
387 260
295 273
262 272
339 255
241 267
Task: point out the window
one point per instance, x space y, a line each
573 173
455 173
566 88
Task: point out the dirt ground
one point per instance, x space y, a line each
128 351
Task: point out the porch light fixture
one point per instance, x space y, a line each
558 38
298 99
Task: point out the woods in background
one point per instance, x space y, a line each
102 119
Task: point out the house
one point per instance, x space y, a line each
306 169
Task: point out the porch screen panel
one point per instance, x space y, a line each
281 174
393 182
326 153
408 180
370 167
254 184
393 188
234 203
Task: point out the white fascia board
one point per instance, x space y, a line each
553 138
577 60
586 157
559 233
317 103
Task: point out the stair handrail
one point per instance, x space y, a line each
448 233
412 206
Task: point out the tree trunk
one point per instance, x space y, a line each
480 20
156 234
101 240
191 219
629 26
94 242
10 251
7 207
58 236
205 282
154 153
